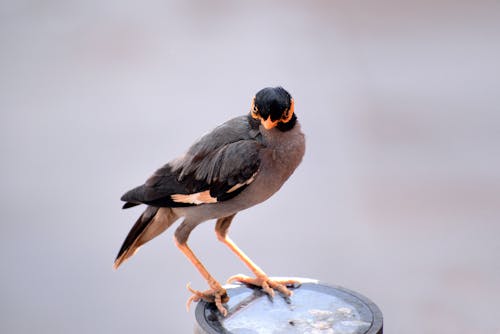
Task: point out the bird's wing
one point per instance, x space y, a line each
216 168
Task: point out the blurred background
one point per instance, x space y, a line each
398 196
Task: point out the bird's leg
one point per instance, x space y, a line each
261 279
216 294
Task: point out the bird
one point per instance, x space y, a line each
237 165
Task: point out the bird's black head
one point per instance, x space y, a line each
274 107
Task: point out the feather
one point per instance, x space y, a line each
149 225
197 198
223 162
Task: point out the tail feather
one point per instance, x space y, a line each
150 224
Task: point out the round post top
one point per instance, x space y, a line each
314 307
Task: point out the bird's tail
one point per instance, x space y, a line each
150 224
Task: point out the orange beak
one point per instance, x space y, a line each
268 124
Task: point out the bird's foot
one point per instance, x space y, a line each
217 295
267 284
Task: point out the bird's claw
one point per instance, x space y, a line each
267 284
218 296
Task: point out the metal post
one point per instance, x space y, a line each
313 308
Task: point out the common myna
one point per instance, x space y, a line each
239 164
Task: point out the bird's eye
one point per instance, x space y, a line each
284 117
254 110
287 115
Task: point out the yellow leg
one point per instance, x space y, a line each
216 294
260 279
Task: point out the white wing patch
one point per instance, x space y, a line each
239 185
197 198
204 196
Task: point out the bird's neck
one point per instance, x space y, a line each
286 145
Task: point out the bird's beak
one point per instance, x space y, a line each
268 124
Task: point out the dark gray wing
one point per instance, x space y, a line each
216 168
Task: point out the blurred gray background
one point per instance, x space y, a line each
398 196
